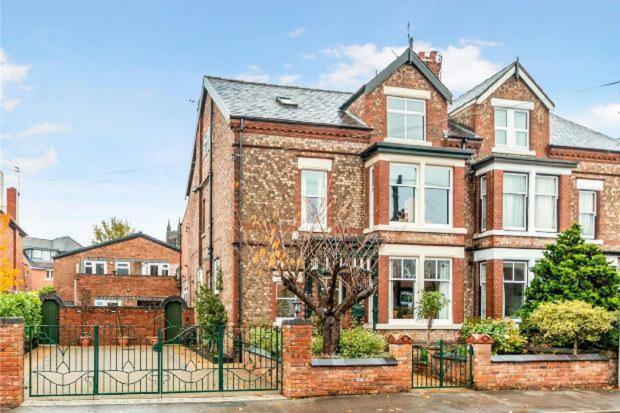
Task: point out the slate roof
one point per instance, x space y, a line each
477 90
572 135
117 240
258 101
61 244
459 130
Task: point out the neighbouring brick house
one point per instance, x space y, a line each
136 270
12 239
39 254
465 193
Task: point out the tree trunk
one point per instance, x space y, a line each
331 335
428 331
575 346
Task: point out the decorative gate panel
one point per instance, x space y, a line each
442 365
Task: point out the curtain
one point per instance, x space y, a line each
515 188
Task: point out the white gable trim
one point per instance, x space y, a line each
590 184
528 81
524 168
315 164
406 93
216 98
512 104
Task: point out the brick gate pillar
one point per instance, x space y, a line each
11 361
296 357
482 345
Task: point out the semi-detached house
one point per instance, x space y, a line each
464 192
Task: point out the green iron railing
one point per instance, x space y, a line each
112 360
442 365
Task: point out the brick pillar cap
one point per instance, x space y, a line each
399 339
11 320
296 322
480 339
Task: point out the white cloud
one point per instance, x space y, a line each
40 129
297 32
34 165
478 42
254 74
602 118
307 56
462 67
288 79
10 73
287 65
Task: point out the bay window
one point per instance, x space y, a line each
587 213
546 203
402 287
511 127
515 279
314 199
437 278
437 195
515 201
403 181
406 118
483 203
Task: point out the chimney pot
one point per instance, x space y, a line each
432 60
11 203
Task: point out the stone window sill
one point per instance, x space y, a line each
416 228
369 362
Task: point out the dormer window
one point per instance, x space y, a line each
286 101
406 119
512 128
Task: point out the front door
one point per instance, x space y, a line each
49 324
174 318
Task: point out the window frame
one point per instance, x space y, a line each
371 196
321 226
405 113
483 203
127 263
392 278
449 189
483 289
416 193
525 204
34 254
449 281
49 274
93 265
525 282
593 214
556 197
106 302
277 281
510 128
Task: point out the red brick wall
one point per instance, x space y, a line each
11 362
129 287
536 375
135 248
458 290
35 278
137 323
301 379
495 288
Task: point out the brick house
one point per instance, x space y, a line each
12 239
465 192
39 254
136 270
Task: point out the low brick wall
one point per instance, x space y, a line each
134 322
129 287
539 371
11 362
305 377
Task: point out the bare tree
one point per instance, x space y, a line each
336 257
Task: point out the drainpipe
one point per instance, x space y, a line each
240 214
211 193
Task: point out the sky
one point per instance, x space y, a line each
98 98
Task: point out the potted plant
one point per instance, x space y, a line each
122 339
430 305
84 339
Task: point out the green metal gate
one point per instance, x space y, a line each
112 359
442 365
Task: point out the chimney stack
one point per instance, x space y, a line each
432 60
11 203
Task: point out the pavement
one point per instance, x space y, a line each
427 400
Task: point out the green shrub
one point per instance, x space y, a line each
266 338
356 342
508 339
48 289
210 313
26 305
430 305
575 321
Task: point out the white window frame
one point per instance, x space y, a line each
416 193
504 281
405 113
449 281
555 196
525 205
483 203
450 188
123 263
416 288
483 289
107 302
511 130
592 213
37 252
46 255
305 225
49 274
277 281
93 265
206 142
161 267
371 196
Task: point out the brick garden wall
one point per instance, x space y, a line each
129 288
538 372
302 379
11 362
